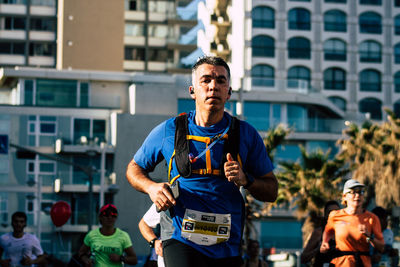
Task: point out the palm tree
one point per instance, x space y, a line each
373 154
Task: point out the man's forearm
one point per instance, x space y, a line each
138 177
264 188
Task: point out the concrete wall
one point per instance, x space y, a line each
131 132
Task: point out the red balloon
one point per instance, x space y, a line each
60 213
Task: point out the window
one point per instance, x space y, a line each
135 5
335 21
397 53
91 129
158 30
41 130
42 49
46 170
161 6
263 46
397 3
396 108
335 79
299 47
262 75
43 24
56 93
134 29
263 17
371 2
397 82
12 48
370 80
299 19
297 117
370 51
16 2
335 49
51 3
12 23
299 77
372 106
397 25
4 208
134 53
335 1
257 114
339 102
370 22
160 54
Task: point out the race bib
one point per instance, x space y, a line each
206 228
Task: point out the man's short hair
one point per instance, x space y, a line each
19 214
211 60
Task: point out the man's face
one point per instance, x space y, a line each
211 87
18 224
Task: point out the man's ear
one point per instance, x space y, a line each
229 93
191 92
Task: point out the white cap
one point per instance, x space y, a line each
350 184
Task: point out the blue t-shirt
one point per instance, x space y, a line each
208 194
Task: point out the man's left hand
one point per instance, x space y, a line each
26 261
114 257
233 171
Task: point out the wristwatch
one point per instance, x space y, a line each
369 238
122 258
151 243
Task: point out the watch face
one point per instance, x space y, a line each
151 243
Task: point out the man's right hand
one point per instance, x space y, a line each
161 196
158 247
324 247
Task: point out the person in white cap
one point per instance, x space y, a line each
353 228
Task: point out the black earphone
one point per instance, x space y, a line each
191 91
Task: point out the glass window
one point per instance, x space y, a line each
371 2
159 31
397 25
299 47
370 51
257 114
262 75
299 19
263 46
43 24
335 79
134 53
12 48
396 109
397 82
335 21
84 94
299 77
339 102
160 6
28 92
61 93
159 54
370 22
12 23
16 2
335 49
370 80
297 117
99 130
397 53
42 49
81 128
372 106
51 3
134 29
135 5
263 17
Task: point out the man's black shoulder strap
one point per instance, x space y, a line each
182 146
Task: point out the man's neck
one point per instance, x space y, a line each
206 119
18 234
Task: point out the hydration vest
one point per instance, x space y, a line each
182 151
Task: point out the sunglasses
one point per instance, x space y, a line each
353 192
108 214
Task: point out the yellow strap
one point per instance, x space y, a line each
170 165
205 171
